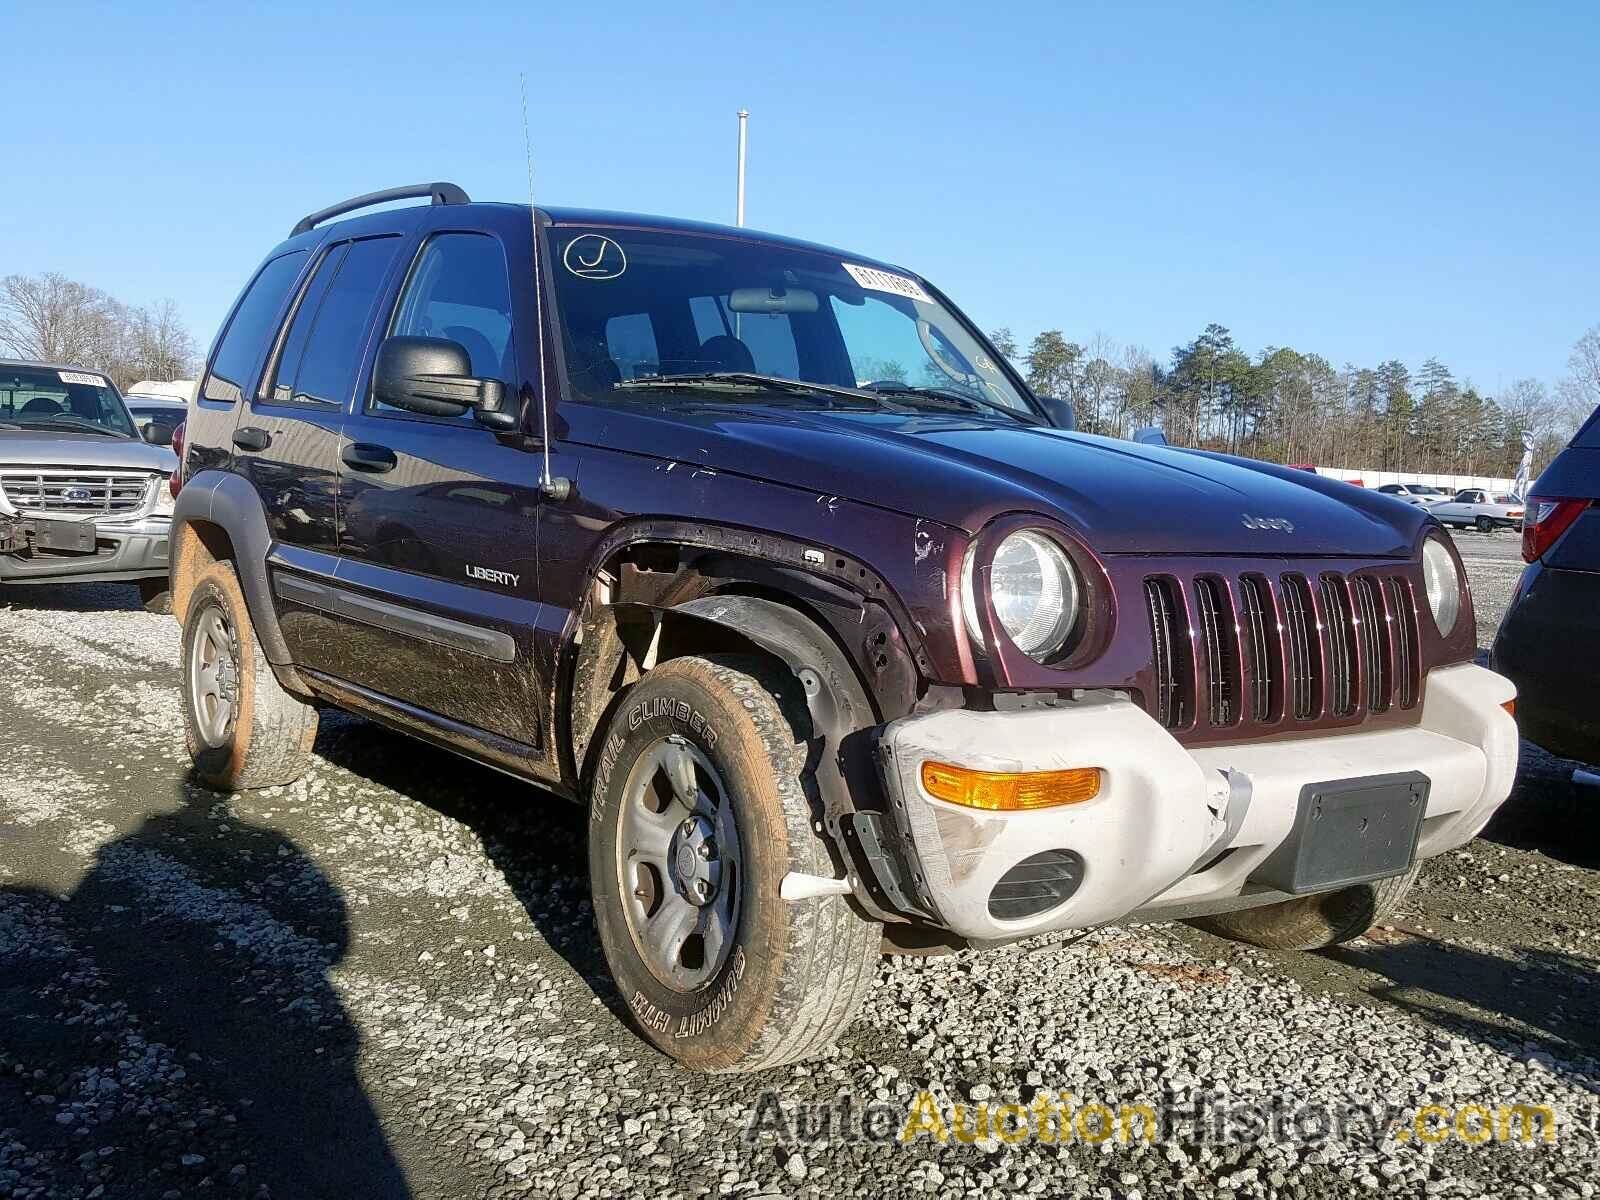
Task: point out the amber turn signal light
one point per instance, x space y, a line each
1010 791
1510 706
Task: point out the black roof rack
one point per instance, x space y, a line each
441 193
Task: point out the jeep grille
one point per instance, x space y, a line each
1259 650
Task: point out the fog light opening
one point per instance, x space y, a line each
1037 884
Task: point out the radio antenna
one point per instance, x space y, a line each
549 486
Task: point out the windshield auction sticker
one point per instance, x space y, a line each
887 281
80 377
592 256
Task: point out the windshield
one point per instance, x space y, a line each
47 398
641 306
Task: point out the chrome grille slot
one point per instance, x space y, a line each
1220 634
1260 621
69 492
1407 651
1373 629
1303 647
1340 631
1173 654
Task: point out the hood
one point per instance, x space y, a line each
1123 497
49 448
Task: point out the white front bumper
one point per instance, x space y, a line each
1164 811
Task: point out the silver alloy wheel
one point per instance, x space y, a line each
678 864
213 676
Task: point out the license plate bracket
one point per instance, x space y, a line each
72 537
1349 831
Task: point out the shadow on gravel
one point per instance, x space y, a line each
78 597
536 839
176 1009
1553 996
1549 813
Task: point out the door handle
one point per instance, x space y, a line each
249 437
365 456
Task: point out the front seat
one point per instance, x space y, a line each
728 353
41 406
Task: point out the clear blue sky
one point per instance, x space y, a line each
1364 180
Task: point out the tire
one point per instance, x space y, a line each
246 731
786 977
1312 922
1484 524
155 596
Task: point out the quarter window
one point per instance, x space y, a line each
459 289
234 364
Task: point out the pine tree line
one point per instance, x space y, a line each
1294 407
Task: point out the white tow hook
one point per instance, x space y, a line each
797 885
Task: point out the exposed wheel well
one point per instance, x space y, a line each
634 617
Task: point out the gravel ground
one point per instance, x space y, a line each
383 981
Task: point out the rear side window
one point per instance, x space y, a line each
1589 433
253 322
323 347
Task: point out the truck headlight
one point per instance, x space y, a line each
1034 589
164 499
1442 581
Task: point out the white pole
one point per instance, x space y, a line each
744 121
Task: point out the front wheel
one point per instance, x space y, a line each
698 811
155 596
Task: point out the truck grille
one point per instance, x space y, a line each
1295 648
65 491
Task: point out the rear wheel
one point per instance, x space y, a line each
698 811
1312 922
243 730
1484 524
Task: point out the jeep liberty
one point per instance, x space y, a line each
845 640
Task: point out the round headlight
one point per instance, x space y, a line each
1034 590
1443 583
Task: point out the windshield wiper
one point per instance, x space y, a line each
950 396
71 426
744 379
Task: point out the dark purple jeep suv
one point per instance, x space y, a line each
761 552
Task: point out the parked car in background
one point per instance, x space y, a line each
831 656
147 411
1411 493
1476 508
83 497
1549 642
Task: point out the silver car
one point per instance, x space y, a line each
1480 509
83 497
1413 493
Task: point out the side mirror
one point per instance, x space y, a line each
433 376
1061 413
158 434
1150 435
